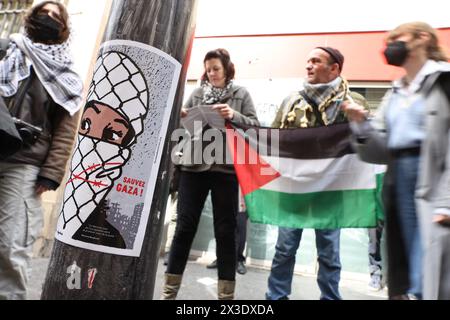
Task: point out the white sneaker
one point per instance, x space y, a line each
375 283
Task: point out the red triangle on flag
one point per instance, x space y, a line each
252 170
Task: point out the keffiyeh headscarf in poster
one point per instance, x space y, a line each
112 120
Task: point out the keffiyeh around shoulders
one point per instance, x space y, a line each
212 94
53 66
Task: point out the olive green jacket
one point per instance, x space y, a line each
295 112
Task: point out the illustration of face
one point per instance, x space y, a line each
111 122
101 122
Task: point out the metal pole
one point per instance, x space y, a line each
167 25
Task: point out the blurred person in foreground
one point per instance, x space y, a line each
410 133
36 78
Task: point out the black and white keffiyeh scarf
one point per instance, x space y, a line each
328 97
53 66
212 94
321 91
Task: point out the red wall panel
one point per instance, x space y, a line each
284 56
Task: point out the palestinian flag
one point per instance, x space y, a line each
305 178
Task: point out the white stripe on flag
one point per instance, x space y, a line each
308 176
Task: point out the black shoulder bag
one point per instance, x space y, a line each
10 140
15 131
24 118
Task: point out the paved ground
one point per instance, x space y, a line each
200 283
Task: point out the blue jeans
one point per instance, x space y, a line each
406 169
282 271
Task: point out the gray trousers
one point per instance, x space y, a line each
20 224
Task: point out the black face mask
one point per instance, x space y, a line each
396 53
44 29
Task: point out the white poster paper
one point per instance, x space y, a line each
117 155
199 116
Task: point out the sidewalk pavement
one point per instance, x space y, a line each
200 283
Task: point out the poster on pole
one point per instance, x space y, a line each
117 153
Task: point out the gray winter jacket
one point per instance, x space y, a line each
433 186
241 102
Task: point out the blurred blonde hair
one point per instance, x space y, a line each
435 51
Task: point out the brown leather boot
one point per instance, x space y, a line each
225 289
172 283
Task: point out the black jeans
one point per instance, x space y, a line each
241 235
192 193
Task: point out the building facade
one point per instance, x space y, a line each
268 43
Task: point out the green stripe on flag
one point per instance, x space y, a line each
350 209
379 198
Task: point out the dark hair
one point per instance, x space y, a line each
34 11
224 57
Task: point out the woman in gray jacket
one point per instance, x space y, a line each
199 176
411 135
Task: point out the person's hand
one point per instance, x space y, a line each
225 111
183 112
354 111
40 189
442 219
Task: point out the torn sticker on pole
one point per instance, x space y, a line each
91 277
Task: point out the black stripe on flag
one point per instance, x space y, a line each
300 143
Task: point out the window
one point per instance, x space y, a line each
11 14
372 95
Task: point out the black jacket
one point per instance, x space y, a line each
53 148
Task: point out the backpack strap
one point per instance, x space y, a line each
439 78
314 106
444 82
